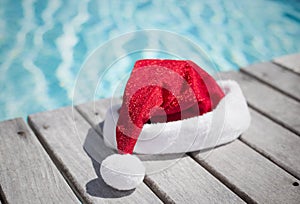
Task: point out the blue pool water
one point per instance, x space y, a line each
43 43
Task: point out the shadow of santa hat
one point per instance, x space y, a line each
169 106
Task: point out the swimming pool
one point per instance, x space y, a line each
43 44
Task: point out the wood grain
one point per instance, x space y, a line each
268 101
173 177
27 174
291 62
275 142
277 77
252 176
68 138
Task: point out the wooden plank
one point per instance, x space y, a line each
66 134
277 77
190 182
27 174
275 142
268 101
94 113
177 179
291 62
252 176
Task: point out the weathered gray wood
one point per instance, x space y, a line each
275 76
94 113
185 181
291 62
66 134
252 176
27 174
177 179
275 142
277 106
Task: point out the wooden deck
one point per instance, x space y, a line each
56 157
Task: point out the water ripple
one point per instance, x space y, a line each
65 45
27 25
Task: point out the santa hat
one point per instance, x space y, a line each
169 106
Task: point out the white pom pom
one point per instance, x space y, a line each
122 172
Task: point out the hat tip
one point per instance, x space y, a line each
122 171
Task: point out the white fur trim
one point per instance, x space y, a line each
224 124
122 171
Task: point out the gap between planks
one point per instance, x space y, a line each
254 178
275 120
57 162
286 67
224 180
274 142
26 169
276 161
269 102
275 87
291 62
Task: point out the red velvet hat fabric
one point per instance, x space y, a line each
163 91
